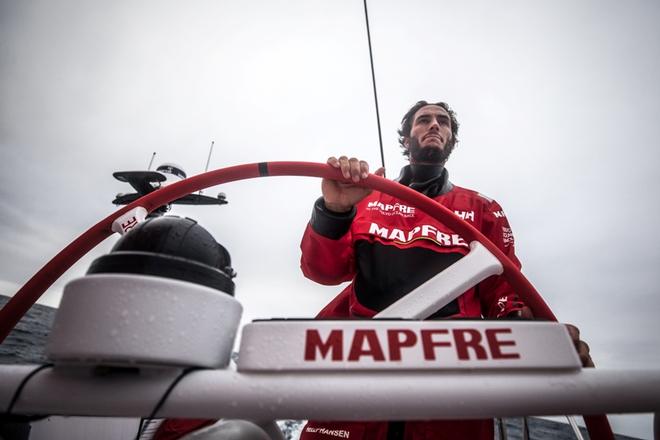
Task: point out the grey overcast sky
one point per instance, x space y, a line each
558 103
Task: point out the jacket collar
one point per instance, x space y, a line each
434 186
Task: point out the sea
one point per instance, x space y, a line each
26 345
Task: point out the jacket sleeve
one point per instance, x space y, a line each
497 298
327 249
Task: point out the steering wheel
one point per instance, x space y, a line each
20 303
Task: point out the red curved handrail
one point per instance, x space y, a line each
21 302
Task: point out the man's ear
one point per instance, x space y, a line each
406 143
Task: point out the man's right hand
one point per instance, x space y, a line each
340 196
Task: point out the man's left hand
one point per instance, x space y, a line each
581 347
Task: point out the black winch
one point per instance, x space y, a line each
170 247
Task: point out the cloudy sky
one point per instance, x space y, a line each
558 103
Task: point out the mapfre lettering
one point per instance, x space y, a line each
467 344
427 232
388 209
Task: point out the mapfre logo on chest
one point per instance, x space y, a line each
390 210
421 232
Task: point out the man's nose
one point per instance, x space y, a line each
434 125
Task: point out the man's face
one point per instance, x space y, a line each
430 138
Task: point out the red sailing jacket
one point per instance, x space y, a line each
382 220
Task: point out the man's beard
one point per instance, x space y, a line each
430 155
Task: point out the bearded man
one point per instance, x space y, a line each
386 249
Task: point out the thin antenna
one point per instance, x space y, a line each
208 161
151 162
373 80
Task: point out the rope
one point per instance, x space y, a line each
163 398
24 382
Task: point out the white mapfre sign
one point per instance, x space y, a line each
406 345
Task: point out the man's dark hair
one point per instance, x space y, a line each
407 121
